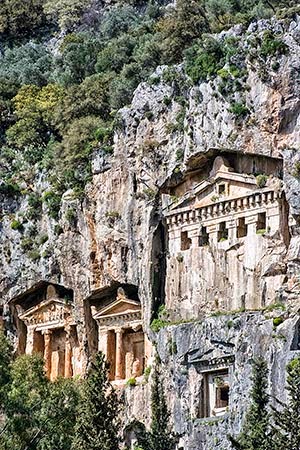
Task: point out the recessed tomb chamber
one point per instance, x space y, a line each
120 332
226 234
46 317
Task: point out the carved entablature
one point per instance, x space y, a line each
121 312
218 355
49 314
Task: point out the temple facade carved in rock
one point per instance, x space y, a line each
226 239
121 337
46 317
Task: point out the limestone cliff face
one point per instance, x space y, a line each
166 142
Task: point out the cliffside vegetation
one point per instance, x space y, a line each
71 414
276 427
68 66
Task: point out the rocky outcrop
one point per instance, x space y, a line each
116 235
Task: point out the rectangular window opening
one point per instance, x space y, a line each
204 237
261 223
221 189
214 394
241 228
186 242
223 232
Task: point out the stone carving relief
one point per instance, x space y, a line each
221 237
51 330
121 336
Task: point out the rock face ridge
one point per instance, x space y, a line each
165 144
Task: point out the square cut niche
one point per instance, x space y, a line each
261 223
223 232
222 189
241 228
185 241
204 237
215 391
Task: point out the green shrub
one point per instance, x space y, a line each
277 321
180 27
47 253
131 382
58 229
53 202
149 193
34 255
240 110
261 232
43 239
261 180
147 372
71 215
66 13
296 171
16 225
271 46
113 215
9 189
204 59
274 306
27 244
19 18
167 100
158 324
179 154
29 64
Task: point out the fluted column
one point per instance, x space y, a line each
47 352
119 354
68 354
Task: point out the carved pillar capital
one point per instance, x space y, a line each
119 330
47 332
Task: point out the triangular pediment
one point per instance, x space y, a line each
118 307
207 192
48 309
216 353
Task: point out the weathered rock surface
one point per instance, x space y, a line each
116 235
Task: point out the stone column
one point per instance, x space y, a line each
103 341
119 353
129 358
68 354
47 351
30 340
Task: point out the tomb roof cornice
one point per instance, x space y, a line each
133 306
220 175
29 312
196 206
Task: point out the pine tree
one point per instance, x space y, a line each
287 421
255 434
97 424
160 436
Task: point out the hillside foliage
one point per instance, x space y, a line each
67 66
